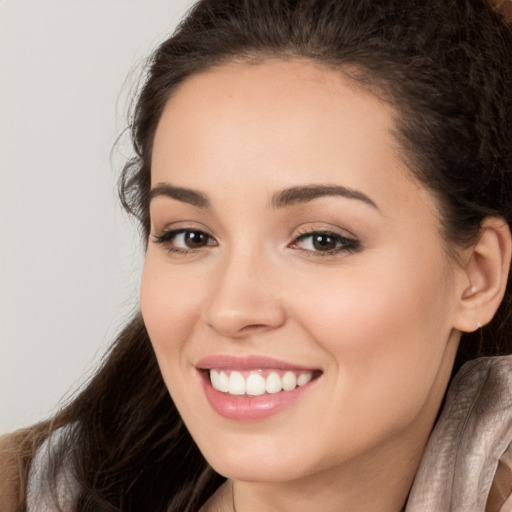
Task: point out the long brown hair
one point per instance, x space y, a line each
445 66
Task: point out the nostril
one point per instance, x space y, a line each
240 331
254 327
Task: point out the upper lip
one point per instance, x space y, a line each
250 362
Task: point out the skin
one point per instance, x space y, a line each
379 321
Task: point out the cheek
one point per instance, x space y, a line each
386 328
395 300
167 306
168 301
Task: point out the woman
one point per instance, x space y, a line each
324 189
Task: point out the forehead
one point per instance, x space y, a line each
282 122
283 97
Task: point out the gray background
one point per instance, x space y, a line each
69 258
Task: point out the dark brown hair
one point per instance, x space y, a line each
445 66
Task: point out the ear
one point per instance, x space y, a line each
486 266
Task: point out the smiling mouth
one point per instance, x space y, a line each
259 382
253 387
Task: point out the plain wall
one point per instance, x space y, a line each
69 258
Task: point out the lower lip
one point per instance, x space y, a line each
251 408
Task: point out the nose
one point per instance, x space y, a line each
244 298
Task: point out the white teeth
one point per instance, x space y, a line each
220 380
214 379
274 383
255 384
223 382
236 384
304 378
289 381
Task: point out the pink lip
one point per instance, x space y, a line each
248 363
249 408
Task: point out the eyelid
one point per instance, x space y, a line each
167 234
324 228
185 224
347 244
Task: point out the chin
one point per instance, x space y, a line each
258 460
257 471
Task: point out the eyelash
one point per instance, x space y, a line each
343 244
167 237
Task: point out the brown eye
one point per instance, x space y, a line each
180 240
323 242
328 243
195 239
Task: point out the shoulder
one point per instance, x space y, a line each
50 481
26 459
10 469
500 495
466 457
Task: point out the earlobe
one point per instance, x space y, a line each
486 267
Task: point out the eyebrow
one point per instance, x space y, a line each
185 195
287 197
304 194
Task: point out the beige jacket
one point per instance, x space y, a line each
467 465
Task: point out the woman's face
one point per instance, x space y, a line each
290 247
